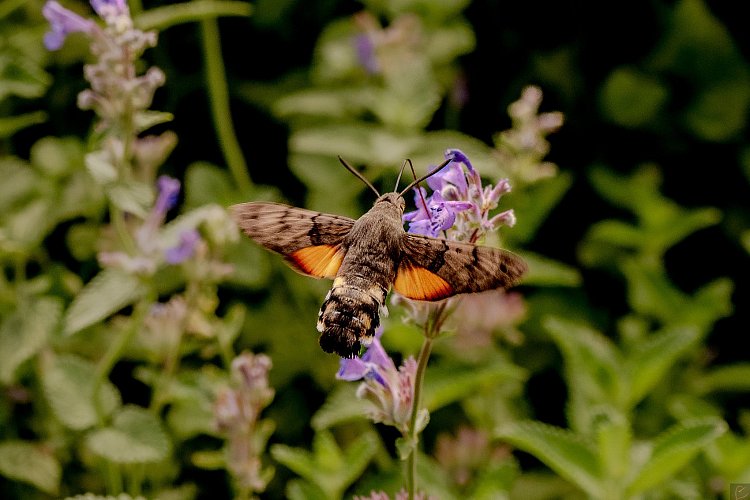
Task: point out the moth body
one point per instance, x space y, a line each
372 251
369 256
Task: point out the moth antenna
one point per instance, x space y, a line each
359 176
398 179
426 176
421 196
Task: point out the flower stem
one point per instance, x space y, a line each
219 99
431 331
114 353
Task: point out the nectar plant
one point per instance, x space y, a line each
458 209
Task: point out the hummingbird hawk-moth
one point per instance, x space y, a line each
369 256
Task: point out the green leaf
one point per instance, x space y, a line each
631 98
107 293
563 451
133 197
593 364
101 168
9 125
450 383
342 405
206 183
734 377
25 332
21 181
161 18
547 272
135 437
614 438
297 489
57 157
68 384
647 365
30 463
674 449
144 120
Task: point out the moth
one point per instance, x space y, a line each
369 256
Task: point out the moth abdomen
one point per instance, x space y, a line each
347 320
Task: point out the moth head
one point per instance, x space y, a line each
394 199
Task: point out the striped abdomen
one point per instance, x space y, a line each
350 314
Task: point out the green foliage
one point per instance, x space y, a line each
119 369
327 468
30 463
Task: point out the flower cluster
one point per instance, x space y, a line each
387 50
400 495
467 453
149 253
389 389
521 149
460 205
237 413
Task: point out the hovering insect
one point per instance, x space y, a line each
368 256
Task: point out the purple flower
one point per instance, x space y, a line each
390 390
366 53
62 22
458 156
184 249
169 188
440 214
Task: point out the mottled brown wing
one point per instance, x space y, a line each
434 269
309 241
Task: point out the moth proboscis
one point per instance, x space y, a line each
369 256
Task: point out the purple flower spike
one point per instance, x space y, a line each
62 22
185 248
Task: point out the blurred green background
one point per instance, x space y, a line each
638 240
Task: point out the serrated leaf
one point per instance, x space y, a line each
135 437
30 463
564 452
25 332
593 364
674 449
646 366
68 384
107 293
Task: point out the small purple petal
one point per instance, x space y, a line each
377 355
169 188
185 248
62 22
366 53
351 369
453 175
458 156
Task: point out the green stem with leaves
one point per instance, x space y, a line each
219 99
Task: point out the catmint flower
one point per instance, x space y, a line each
390 390
439 215
469 452
63 22
168 191
459 204
236 415
108 9
185 248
